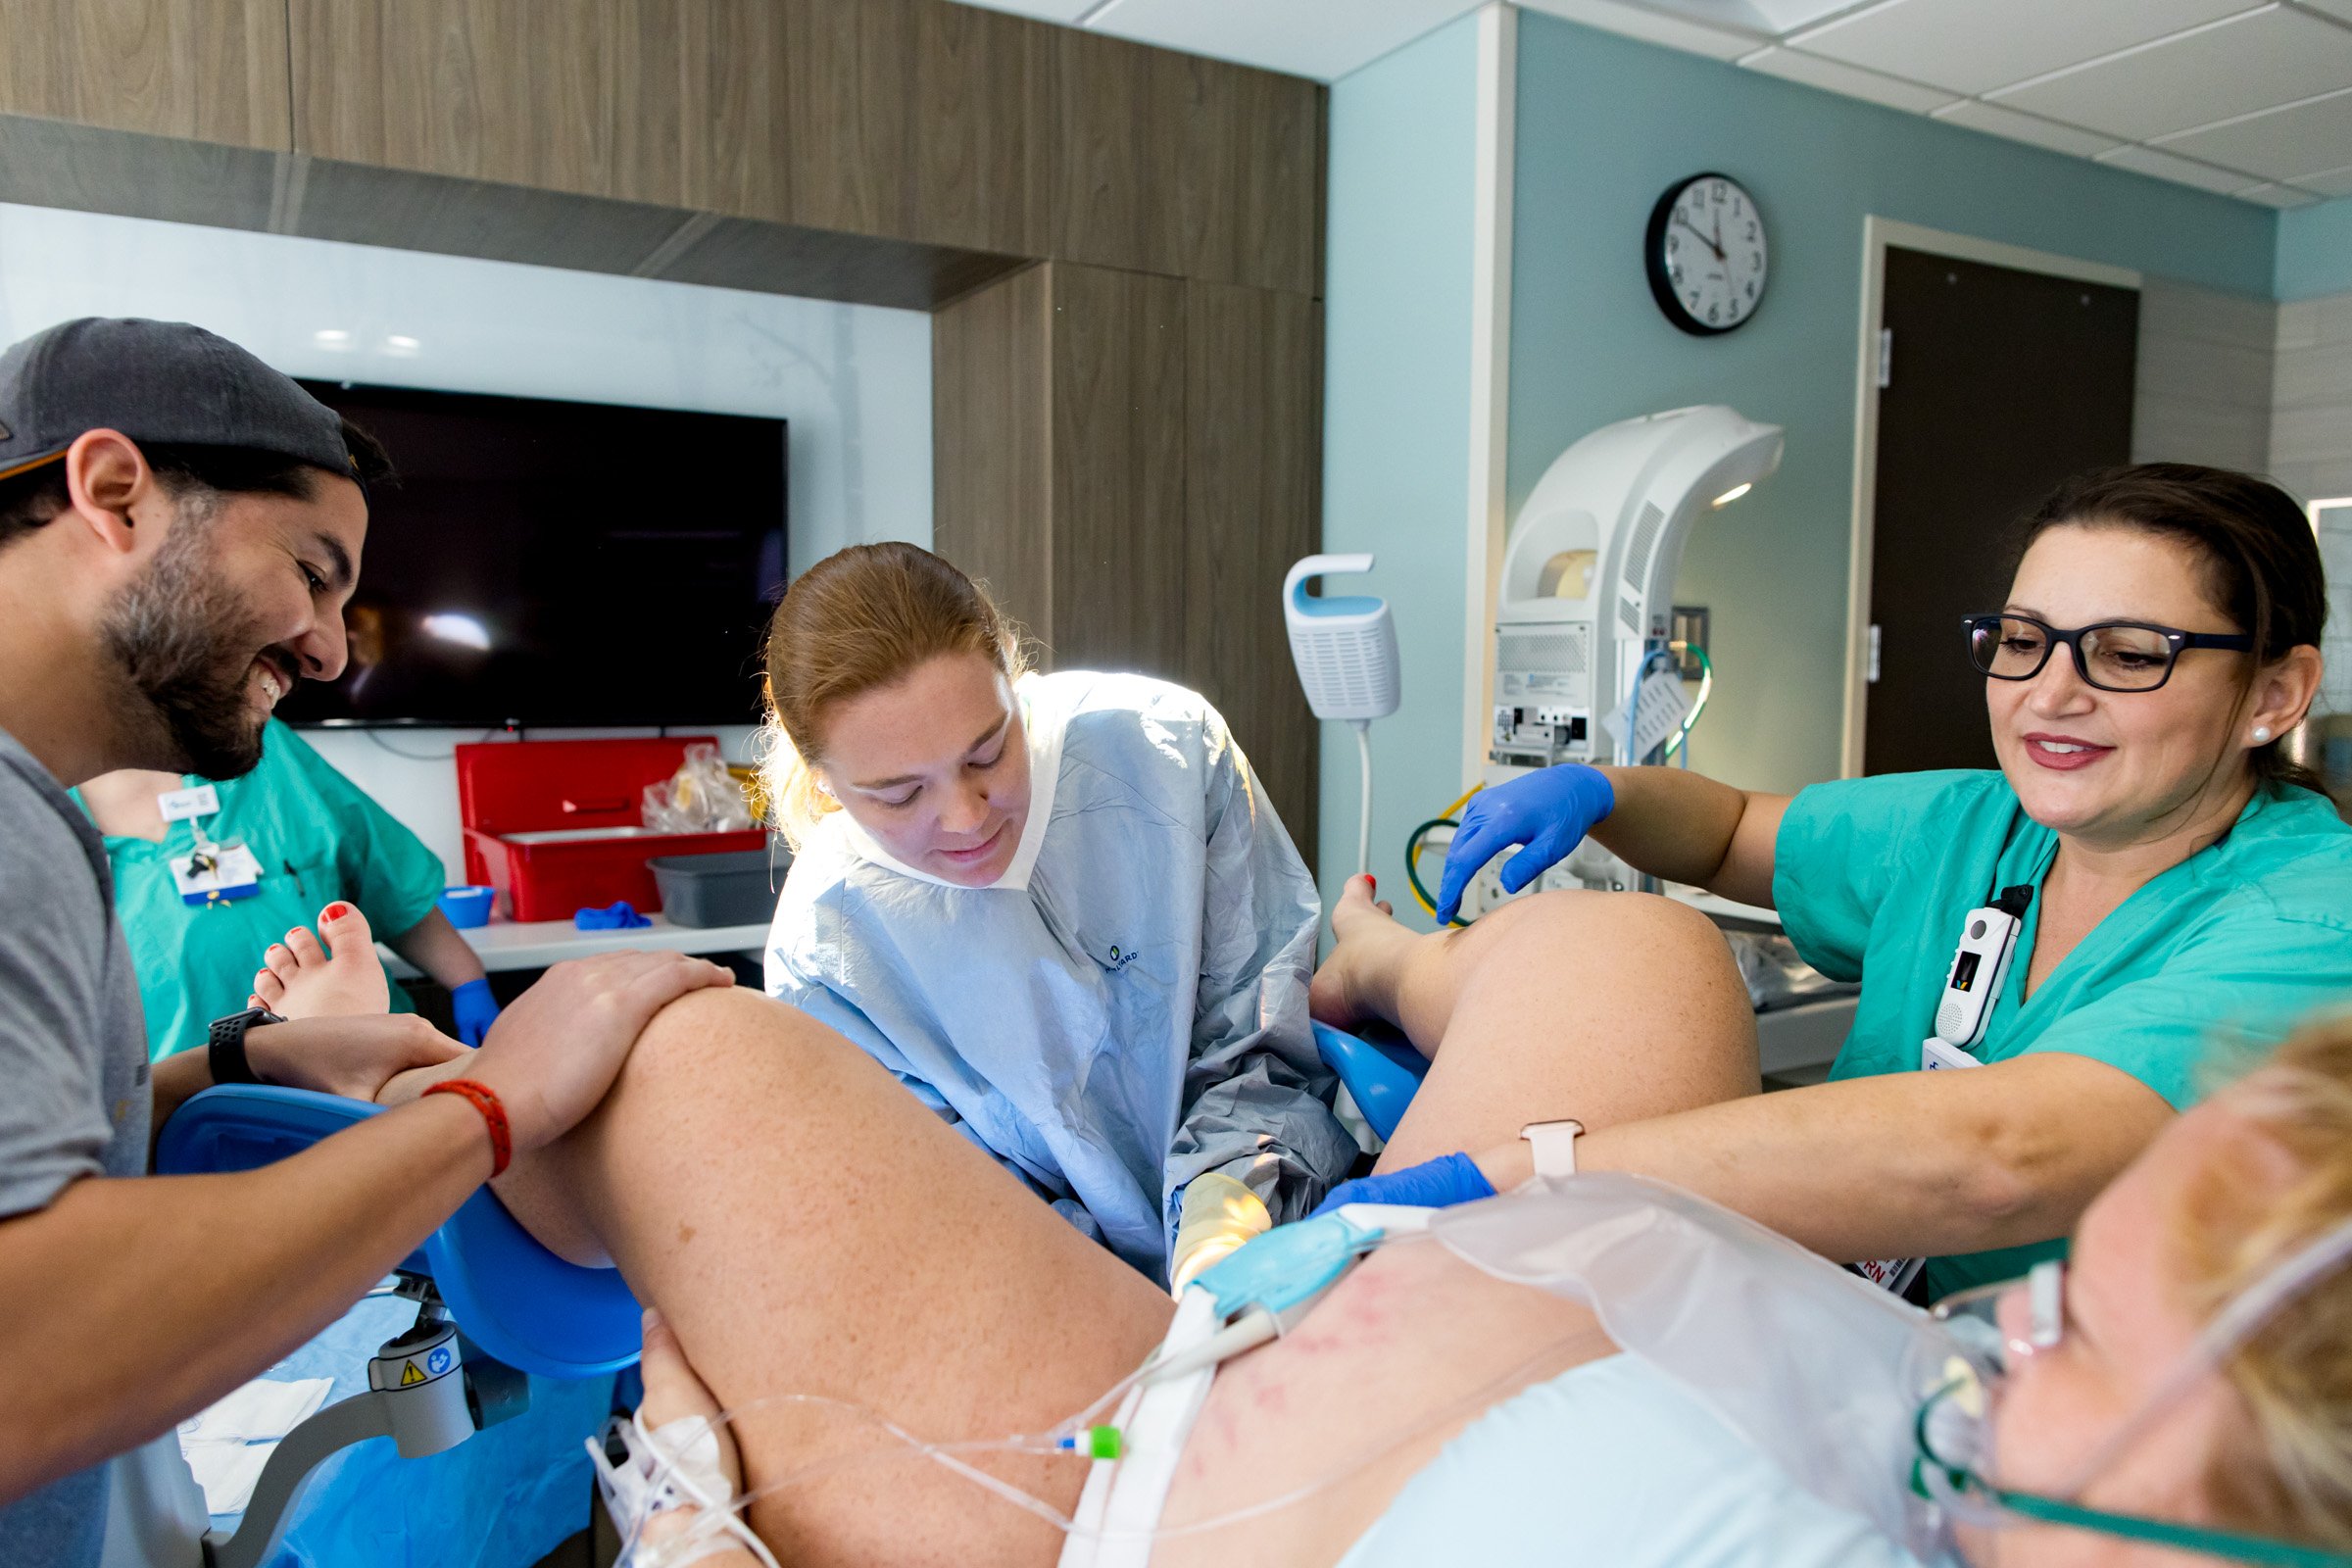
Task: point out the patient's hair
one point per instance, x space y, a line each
2294 1478
862 618
2261 557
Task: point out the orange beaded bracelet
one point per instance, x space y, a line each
484 1100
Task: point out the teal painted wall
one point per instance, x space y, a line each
1604 124
1397 421
2315 251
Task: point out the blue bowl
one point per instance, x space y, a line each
467 905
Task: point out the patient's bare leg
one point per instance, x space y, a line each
805 1226
1604 1006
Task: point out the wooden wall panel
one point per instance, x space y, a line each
921 120
204 70
1117 471
736 152
990 426
1113 177
518 92
1253 506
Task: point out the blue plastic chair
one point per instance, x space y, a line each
513 1298
1380 1069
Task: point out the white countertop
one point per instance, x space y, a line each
536 944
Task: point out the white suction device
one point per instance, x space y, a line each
1588 577
1346 651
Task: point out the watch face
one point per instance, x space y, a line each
1706 259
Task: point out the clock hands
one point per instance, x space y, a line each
1715 245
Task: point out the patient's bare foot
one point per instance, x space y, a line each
302 979
1365 958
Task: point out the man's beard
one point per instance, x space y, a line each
186 644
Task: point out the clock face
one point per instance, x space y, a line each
1706 256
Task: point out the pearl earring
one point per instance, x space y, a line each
2262 733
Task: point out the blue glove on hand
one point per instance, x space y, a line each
1550 812
1439 1182
476 1009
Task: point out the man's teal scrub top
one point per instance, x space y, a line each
2235 946
318 838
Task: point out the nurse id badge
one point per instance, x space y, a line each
216 873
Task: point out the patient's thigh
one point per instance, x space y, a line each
809 1229
1397 1346
1606 1008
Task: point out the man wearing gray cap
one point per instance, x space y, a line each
179 528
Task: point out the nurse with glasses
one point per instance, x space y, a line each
2146 881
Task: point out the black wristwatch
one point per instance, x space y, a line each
228 1045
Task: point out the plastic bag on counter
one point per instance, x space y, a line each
701 797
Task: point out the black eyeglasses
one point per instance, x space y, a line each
2115 656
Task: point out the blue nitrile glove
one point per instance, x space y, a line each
622 916
1439 1182
476 1009
1550 812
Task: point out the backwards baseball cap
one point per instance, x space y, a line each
165 383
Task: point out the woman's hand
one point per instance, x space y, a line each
1550 812
351 1056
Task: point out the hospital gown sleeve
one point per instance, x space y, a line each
2216 1006
1256 1097
383 868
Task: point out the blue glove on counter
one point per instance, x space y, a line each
1550 812
476 1009
622 916
1439 1182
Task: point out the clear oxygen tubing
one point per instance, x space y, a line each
1071 1435
1363 820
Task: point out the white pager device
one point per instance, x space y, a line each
1987 941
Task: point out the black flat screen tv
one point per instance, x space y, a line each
551 564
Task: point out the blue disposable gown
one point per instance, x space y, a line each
1126 1006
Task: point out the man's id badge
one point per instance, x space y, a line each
216 873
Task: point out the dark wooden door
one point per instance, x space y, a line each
1996 384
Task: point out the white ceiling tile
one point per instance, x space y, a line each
2275 196
2332 182
1974 47
1042 10
1832 75
1766 19
1651 26
2341 9
1324 39
2279 143
2180 170
2026 128
2248 63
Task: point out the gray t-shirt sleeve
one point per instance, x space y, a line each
56 935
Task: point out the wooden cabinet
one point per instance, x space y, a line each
1132 463
1170 163
1253 507
205 69
921 120
518 92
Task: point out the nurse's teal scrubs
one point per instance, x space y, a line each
2229 949
318 838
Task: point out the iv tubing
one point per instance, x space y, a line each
1363 820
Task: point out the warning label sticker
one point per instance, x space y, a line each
411 1374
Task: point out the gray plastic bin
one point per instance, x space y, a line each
738 887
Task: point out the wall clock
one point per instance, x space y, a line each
1706 254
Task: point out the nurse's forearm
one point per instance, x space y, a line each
1686 827
132 1304
434 946
1901 1165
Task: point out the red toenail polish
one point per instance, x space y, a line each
1371 883
336 911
